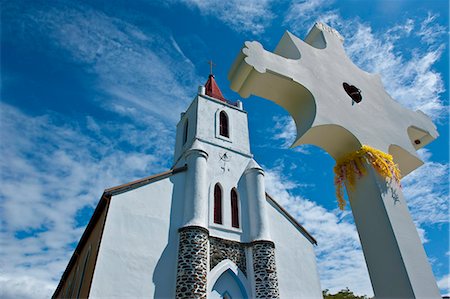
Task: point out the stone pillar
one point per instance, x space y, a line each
263 249
192 267
397 263
256 193
264 268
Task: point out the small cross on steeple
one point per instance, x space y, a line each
211 87
211 64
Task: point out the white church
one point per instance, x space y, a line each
206 228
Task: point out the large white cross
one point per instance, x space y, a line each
339 107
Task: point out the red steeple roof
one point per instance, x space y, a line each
212 89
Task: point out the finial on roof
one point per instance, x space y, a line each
211 87
211 64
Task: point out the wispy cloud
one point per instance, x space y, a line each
303 14
426 191
53 167
407 72
430 31
24 287
52 170
140 69
242 16
285 132
444 285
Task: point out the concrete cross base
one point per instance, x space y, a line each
395 257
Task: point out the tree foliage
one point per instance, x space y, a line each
342 294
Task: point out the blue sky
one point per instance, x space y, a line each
91 92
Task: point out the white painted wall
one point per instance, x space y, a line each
138 252
296 262
203 117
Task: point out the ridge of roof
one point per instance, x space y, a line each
144 181
102 204
212 89
292 220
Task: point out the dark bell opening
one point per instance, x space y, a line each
353 92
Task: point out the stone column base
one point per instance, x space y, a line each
192 269
264 267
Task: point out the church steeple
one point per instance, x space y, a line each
213 120
212 89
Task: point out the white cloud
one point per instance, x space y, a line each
251 16
22 287
400 30
52 169
302 15
444 285
407 73
426 192
340 259
134 68
431 32
284 131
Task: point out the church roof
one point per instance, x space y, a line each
141 182
212 89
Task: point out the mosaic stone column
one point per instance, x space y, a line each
266 281
192 267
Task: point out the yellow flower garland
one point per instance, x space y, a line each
351 167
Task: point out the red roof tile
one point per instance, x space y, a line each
213 90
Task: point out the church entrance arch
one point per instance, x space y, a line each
226 280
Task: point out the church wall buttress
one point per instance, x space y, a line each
196 200
265 271
192 267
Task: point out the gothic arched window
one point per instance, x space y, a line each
223 122
185 132
217 204
234 208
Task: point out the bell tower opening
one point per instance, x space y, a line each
223 119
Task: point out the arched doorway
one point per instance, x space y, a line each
228 282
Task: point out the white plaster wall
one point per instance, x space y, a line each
296 262
138 252
229 176
203 119
189 115
208 125
203 116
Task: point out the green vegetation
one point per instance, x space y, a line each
342 294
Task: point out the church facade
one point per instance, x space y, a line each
204 229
